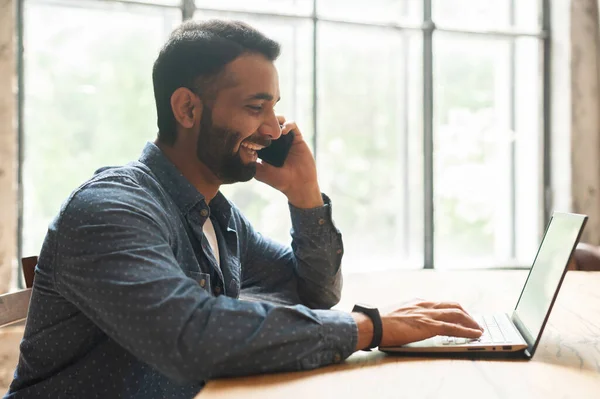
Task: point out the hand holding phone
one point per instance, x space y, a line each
297 179
277 152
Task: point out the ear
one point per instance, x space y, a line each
186 106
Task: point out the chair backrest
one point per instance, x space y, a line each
14 305
29 264
587 257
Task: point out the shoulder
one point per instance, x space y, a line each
119 192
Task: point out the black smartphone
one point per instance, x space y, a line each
277 152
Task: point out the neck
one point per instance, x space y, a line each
193 170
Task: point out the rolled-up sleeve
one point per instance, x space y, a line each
115 263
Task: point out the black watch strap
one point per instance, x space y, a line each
373 314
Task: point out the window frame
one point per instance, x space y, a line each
427 27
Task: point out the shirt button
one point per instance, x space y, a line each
202 283
339 251
217 290
321 222
337 358
204 213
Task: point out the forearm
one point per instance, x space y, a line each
306 198
192 337
267 338
308 273
318 250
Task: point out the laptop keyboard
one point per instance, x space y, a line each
492 332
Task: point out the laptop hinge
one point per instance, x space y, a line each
525 334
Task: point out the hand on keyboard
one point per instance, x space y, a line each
419 319
492 333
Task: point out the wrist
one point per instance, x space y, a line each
365 330
376 323
305 198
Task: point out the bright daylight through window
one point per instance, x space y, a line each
425 116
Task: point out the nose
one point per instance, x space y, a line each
270 127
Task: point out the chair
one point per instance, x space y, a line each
14 305
13 311
28 265
586 257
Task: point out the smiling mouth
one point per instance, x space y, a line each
252 146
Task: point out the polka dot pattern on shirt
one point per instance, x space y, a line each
128 303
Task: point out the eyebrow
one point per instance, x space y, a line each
262 96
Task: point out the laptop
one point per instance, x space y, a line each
520 331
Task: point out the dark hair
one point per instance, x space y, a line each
194 56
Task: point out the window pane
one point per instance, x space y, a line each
486 150
370 151
265 207
294 7
381 11
528 149
88 98
488 15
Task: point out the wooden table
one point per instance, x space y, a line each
566 364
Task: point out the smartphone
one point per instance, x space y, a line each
277 152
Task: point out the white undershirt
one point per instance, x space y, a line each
211 236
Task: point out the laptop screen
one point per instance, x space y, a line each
546 273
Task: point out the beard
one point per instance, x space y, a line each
215 149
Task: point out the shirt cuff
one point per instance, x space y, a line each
339 339
312 221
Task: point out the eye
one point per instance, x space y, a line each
256 108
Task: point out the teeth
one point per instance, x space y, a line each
253 147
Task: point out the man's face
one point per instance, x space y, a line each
241 120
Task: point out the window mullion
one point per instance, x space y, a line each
428 222
315 98
188 7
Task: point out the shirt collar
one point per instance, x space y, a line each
184 194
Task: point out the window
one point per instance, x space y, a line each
425 116
486 138
369 141
88 98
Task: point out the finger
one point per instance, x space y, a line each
280 119
263 170
289 126
457 316
437 305
456 330
456 305
422 303
448 305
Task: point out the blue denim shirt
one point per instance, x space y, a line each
128 299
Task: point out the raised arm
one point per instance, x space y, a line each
308 272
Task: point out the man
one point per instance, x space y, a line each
136 293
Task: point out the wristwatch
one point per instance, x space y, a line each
373 314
